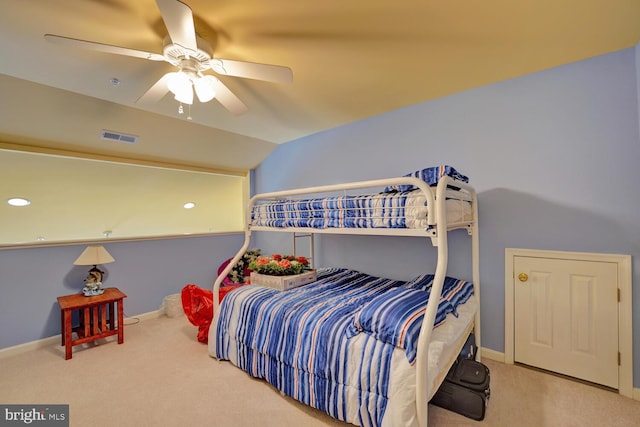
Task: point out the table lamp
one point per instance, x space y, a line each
94 255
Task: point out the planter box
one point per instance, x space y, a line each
283 283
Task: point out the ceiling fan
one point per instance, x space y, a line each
192 56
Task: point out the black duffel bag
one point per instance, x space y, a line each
465 390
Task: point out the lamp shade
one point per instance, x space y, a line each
94 255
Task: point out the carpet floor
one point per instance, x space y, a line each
162 376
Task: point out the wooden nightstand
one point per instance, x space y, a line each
97 317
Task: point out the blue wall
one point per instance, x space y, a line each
146 270
553 155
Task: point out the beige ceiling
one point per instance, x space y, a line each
350 60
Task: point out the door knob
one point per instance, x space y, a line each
523 277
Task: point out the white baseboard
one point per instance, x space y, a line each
30 346
145 316
45 342
499 357
491 354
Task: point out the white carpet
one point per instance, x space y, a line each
161 376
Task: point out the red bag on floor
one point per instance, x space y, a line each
197 304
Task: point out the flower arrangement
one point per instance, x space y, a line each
241 269
279 265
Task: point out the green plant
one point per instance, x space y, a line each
278 265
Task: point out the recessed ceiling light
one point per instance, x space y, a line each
18 201
189 205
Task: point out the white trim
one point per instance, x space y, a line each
29 346
625 310
49 341
497 356
104 240
146 316
487 353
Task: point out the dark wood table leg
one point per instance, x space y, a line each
95 330
120 322
103 318
62 326
67 334
87 321
112 316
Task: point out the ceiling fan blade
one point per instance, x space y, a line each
100 47
228 99
157 91
252 70
178 18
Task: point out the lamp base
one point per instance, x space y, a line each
93 291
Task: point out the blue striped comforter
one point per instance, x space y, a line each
300 340
383 210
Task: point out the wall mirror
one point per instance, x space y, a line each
75 199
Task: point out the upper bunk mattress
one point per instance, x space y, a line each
397 206
404 209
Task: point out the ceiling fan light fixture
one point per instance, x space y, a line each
179 84
204 88
186 97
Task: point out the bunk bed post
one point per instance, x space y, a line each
475 260
441 241
422 360
232 263
225 272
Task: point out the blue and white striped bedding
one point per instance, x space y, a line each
381 210
307 342
398 206
431 176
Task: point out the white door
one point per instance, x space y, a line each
566 317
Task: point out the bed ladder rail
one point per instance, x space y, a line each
308 255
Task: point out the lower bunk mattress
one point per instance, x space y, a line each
345 344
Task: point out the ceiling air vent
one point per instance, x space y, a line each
118 137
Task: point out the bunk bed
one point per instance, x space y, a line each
329 344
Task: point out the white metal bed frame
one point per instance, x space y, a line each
437 231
